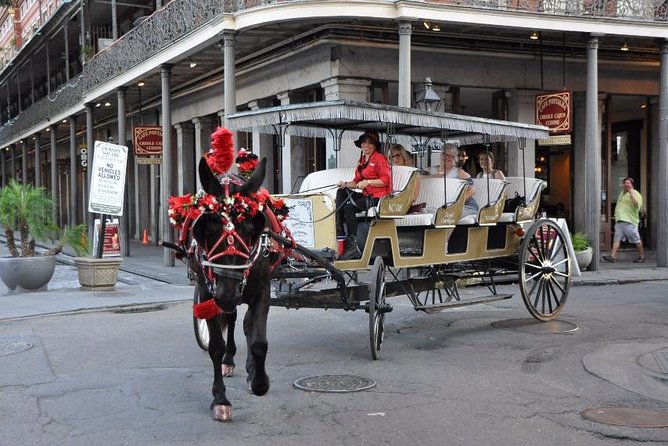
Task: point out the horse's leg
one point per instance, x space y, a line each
255 328
229 321
221 407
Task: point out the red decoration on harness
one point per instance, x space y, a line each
221 155
207 309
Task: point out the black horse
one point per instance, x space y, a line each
239 256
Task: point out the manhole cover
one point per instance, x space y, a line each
12 346
662 359
334 383
627 416
535 326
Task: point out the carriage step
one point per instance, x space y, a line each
462 303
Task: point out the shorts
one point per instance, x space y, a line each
626 231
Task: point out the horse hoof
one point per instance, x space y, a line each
222 413
228 370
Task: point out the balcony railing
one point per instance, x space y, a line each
180 18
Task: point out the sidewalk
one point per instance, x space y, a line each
145 281
147 261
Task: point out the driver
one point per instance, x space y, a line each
373 179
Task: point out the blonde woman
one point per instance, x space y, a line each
399 156
486 161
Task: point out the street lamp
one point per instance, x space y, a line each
427 99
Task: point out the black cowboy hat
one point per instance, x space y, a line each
369 135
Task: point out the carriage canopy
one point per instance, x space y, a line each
345 118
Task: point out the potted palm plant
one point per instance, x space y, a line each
582 248
26 216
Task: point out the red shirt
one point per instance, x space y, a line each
378 168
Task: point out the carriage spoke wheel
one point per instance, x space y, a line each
376 301
200 326
544 270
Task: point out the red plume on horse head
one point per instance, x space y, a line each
221 155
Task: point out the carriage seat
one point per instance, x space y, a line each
444 203
490 199
533 188
404 185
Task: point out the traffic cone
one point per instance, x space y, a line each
145 241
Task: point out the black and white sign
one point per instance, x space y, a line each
300 221
108 178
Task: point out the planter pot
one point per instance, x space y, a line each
584 258
23 274
97 274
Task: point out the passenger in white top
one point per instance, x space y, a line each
486 160
450 170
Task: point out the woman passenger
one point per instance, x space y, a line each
373 178
486 160
399 156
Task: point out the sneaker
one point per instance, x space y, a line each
609 258
639 260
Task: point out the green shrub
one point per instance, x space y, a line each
28 211
580 241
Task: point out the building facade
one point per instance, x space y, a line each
77 73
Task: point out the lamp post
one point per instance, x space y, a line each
427 100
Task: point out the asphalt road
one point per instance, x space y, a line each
137 377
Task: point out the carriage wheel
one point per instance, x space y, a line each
376 301
544 270
201 329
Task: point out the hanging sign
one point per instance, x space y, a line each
147 140
83 154
108 178
553 111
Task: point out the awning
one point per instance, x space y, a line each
344 118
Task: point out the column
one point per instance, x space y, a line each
12 162
229 81
114 20
166 172
345 88
90 148
592 202
662 161
124 220
3 169
73 171
405 91
199 148
185 156
263 146
38 162
24 162
286 152
521 109
67 49
54 170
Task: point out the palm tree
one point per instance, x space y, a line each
28 210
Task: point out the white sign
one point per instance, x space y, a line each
108 178
300 221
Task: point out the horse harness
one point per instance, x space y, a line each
226 245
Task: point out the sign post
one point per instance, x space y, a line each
107 184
